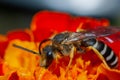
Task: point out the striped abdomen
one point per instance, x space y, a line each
108 54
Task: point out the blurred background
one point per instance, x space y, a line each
18 13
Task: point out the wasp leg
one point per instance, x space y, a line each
71 58
99 55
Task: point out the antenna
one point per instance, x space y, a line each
20 47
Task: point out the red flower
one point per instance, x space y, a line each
21 65
46 23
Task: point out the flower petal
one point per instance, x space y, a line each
44 74
1 67
19 34
18 58
89 23
14 76
47 22
3 46
111 74
102 77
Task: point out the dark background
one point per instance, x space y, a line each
18 13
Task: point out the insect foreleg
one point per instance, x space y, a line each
71 58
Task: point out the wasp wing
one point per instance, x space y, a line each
104 31
77 36
93 33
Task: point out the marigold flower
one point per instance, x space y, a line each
18 64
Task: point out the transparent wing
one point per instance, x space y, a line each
76 36
104 31
98 32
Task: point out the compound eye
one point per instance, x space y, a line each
43 44
48 51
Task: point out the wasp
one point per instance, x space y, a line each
66 43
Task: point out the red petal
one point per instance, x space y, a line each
3 46
1 67
105 22
47 22
92 24
86 23
109 74
14 76
102 77
41 35
76 21
19 34
55 66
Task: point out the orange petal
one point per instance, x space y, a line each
44 74
3 38
18 58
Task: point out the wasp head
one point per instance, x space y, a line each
47 52
47 56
